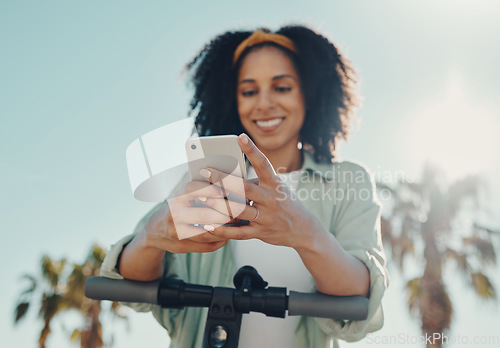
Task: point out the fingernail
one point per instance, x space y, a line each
244 138
209 228
203 199
205 173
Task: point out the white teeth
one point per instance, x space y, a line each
270 123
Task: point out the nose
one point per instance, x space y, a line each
265 101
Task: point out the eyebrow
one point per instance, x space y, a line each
274 78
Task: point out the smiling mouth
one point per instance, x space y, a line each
269 123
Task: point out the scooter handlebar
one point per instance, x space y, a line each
122 290
305 304
327 306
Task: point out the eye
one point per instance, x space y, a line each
248 93
283 89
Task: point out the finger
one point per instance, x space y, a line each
187 231
238 232
211 227
230 208
231 183
202 189
254 181
194 215
200 234
189 245
224 180
263 168
206 236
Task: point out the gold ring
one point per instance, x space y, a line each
256 216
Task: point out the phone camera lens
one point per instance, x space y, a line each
193 147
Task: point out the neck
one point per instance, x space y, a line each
285 159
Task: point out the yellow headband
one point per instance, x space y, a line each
260 36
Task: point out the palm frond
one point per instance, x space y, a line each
52 270
50 306
20 311
61 288
483 286
32 284
97 255
119 310
460 259
412 288
484 248
75 335
76 281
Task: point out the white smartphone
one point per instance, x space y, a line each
220 152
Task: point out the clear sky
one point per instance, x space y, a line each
81 80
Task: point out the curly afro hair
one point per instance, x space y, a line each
327 79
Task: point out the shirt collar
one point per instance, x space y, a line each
325 170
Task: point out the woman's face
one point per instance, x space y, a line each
270 101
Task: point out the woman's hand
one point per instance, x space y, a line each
177 227
142 258
276 216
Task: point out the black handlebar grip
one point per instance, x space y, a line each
327 306
101 288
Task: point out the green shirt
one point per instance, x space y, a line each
342 196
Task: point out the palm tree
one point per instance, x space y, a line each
424 224
61 289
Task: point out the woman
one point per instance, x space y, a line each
314 222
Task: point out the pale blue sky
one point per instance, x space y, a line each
81 80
